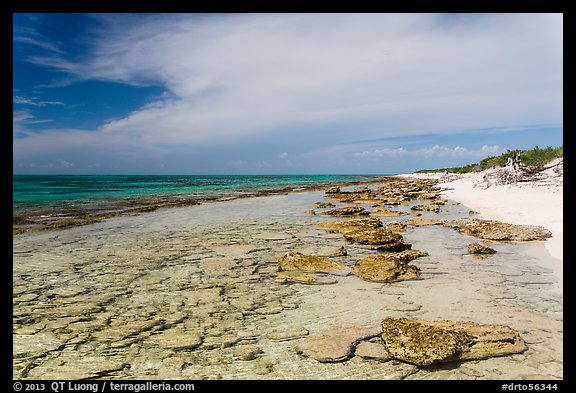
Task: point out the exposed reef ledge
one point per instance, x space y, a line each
424 343
496 230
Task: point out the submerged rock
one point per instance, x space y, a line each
426 208
300 277
323 205
369 231
347 211
353 225
377 238
383 212
340 252
177 339
247 352
496 230
336 345
418 222
287 333
372 350
480 249
307 263
383 268
424 343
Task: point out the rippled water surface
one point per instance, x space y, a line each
189 293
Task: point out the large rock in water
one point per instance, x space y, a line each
496 230
382 268
369 231
424 343
347 211
352 225
312 264
480 249
377 238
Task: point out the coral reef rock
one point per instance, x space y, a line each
300 277
385 268
311 264
496 230
480 249
424 343
347 211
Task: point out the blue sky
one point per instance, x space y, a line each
281 93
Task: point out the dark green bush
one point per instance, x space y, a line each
533 157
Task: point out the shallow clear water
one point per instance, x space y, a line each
43 192
83 293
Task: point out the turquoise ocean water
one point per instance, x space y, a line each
59 193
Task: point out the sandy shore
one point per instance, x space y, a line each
530 203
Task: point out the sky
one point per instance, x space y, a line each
281 93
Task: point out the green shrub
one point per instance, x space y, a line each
533 157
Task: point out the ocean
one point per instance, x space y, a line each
40 197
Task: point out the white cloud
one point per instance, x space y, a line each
242 75
435 151
315 82
34 101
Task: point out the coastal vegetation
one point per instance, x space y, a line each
534 157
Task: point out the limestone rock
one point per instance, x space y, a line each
378 238
77 367
424 343
288 333
336 345
395 226
382 212
236 251
33 345
372 350
347 211
126 330
480 249
312 264
177 339
301 277
426 208
382 268
418 222
496 230
247 352
341 252
323 205
353 225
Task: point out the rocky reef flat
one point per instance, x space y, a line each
364 282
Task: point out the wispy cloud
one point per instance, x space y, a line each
316 80
33 101
435 151
48 46
241 75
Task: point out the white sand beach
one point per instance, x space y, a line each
527 203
